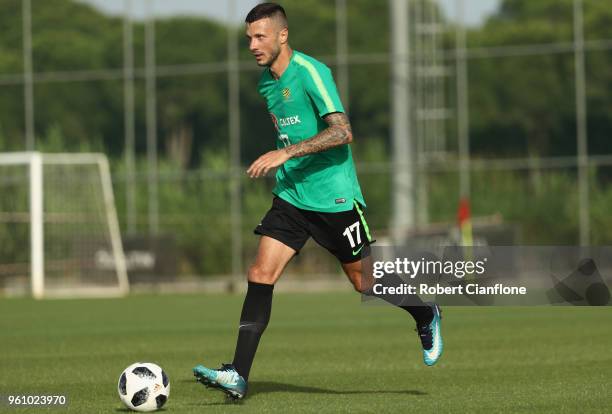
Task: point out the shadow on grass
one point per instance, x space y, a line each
264 387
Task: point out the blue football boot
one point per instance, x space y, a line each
225 378
431 337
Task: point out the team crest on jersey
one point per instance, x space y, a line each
286 93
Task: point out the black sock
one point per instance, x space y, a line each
420 311
253 321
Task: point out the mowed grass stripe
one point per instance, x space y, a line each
321 353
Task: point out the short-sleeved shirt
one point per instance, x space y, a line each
297 102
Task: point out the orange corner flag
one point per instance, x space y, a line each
464 221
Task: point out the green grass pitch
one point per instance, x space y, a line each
321 353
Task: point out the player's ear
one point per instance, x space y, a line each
283 35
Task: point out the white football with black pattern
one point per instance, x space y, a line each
144 386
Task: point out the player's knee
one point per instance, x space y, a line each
356 281
357 286
259 274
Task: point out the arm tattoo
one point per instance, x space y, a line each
337 133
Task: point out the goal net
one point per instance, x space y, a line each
59 234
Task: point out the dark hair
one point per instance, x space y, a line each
264 10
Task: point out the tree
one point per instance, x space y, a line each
526 104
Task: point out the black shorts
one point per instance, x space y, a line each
345 234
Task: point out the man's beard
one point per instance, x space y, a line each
272 59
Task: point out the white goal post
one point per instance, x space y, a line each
75 246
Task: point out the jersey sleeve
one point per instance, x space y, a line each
321 88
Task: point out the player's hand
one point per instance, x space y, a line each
266 162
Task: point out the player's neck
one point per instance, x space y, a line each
281 62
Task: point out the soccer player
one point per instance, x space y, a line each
316 195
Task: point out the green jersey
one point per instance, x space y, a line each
297 102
